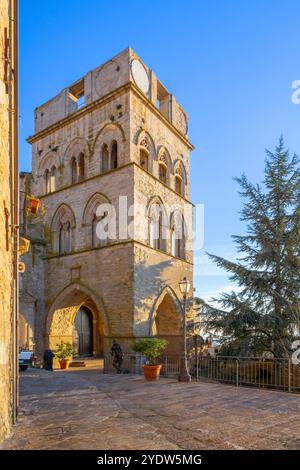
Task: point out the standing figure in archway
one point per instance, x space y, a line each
117 354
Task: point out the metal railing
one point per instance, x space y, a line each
278 374
133 364
274 373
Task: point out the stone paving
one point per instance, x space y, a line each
85 409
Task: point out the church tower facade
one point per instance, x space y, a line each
110 154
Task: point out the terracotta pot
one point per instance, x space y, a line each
151 372
64 363
34 205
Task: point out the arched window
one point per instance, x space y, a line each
178 185
96 241
73 170
64 241
144 159
163 173
105 158
157 233
53 179
62 227
164 165
47 181
178 236
81 167
180 178
114 154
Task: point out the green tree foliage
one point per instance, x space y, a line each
264 313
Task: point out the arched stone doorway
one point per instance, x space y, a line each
63 319
166 321
83 332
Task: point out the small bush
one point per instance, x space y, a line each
64 351
151 348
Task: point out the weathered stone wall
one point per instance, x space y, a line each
31 282
6 259
86 134
104 80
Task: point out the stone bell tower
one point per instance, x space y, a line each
116 137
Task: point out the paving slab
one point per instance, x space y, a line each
86 409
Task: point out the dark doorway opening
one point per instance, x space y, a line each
83 332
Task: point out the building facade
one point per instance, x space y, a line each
8 216
115 139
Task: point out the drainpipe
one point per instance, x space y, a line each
14 124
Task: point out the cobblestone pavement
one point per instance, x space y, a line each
85 409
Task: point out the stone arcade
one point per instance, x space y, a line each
115 132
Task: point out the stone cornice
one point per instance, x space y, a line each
129 86
116 244
100 175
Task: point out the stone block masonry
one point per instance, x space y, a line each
116 132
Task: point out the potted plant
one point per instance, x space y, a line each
151 348
33 204
64 354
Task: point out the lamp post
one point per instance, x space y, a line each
184 375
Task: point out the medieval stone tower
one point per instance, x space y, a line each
114 137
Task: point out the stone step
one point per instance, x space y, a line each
77 364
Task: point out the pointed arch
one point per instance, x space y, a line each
109 126
108 147
94 201
49 159
62 213
167 290
62 230
164 165
90 220
179 168
180 178
157 223
75 147
141 131
60 317
75 168
146 151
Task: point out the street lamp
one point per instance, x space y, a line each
184 375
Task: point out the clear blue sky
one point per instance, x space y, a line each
230 63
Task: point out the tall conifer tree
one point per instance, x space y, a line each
264 313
